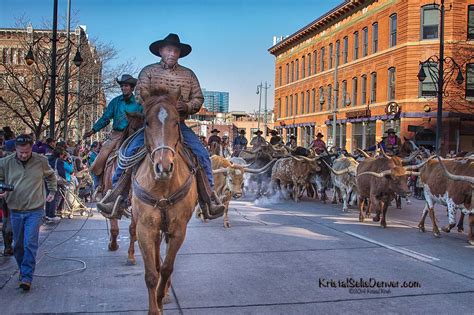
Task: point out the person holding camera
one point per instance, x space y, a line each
22 177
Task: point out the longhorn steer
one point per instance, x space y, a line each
447 191
379 180
343 176
228 180
292 172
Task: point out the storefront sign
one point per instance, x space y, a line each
358 114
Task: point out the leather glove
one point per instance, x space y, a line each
182 108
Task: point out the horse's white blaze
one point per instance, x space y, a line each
162 115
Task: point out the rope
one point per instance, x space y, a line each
125 162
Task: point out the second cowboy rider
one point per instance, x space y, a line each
115 111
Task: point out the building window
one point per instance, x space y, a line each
429 21
321 98
338 51
391 84
307 101
470 80
295 110
297 69
428 86
329 101
356 45
373 87
279 107
315 59
287 73
292 71
309 64
321 62
393 30
345 49
470 22
302 102
345 100
286 106
354 91
291 105
365 41
279 76
330 56
363 94
303 67
313 100
375 37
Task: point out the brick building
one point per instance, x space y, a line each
26 88
359 62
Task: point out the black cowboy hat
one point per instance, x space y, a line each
242 132
258 132
390 130
127 79
274 132
319 135
215 130
292 137
171 39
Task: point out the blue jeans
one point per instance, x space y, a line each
190 140
26 226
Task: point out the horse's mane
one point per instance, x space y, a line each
160 95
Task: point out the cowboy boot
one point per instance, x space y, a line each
114 202
216 207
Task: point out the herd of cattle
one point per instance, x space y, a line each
372 182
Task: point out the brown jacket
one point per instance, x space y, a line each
158 75
28 179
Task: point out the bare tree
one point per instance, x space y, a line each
26 100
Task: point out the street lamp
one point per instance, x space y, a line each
29 59
438 75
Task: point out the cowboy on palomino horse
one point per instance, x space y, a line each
172 77
115 111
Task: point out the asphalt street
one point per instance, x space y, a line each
277 258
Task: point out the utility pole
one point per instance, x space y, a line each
259 92
265 118
439 114
336 94
52 96
66 71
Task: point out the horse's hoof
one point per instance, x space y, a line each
167 299
131 262
421 228
226 224
461 230
361 219
384 225
471 242
446 229
334 202
436 234
376 219
113 248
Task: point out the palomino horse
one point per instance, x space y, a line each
135 121
164 194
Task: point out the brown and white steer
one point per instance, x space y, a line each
229 179
344 171
292 174
379 179
454 194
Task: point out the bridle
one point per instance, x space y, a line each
151 153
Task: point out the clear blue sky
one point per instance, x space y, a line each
229 38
